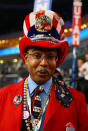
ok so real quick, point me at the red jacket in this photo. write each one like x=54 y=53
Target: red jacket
x=57 y=116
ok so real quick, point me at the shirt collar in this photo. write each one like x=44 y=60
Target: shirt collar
x=32 y=85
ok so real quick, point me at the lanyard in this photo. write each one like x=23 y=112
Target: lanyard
x=29 y=100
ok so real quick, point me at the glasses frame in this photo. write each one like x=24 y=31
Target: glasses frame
x=49 y=58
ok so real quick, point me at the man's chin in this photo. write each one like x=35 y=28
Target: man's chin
x=42 y=80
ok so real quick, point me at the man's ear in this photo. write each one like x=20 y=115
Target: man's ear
x=57 y=59
x=25 y=58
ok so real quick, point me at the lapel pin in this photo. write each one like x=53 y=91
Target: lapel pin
x=25 y=115
x=70 y=127
x=17 y=99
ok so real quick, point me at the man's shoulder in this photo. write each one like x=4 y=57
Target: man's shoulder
x=9 y=92
x=85 y=65
x=12 y=87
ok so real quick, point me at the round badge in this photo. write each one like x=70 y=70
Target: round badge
x=17 y=99
x=25 y=115
x=43 y=23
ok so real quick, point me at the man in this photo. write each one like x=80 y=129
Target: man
x=80 y=62
x=83 y=82
x=46 y=104
x=84 y=68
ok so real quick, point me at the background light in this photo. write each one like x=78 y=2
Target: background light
x=15 y=50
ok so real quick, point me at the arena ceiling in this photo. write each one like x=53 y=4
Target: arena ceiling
x=13 y=12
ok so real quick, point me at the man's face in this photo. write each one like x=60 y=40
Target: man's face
x=41 y=64
x=79 y=63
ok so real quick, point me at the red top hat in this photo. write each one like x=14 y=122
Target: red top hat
x=44 y=29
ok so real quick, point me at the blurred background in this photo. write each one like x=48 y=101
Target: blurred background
x=12 y=14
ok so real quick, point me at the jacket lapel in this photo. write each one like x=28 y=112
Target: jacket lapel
x=52 y=106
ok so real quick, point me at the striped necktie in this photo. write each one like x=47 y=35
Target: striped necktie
x=36 y=102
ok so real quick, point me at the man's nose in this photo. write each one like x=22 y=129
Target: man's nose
x=44 y=61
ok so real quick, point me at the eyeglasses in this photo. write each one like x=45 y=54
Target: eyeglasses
x=41 y=57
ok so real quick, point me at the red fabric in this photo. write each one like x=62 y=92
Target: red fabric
x=42 y=12
x=55 y=22
x=57 y=116
x=27 y=23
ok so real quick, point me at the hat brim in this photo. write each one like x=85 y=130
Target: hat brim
x=62 y=47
